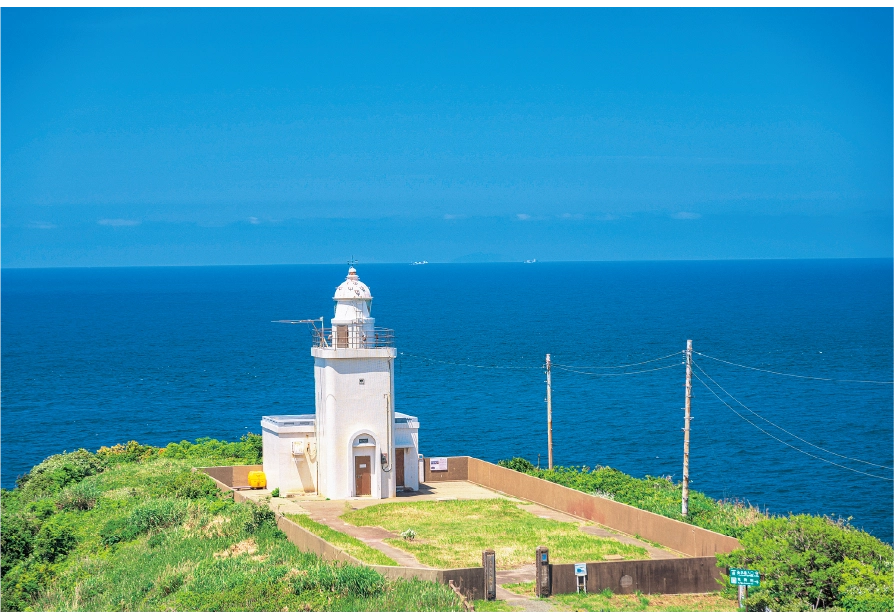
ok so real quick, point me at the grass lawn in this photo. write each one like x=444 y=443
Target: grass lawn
x=606 y=601
x=346 y=543
x=453 y=533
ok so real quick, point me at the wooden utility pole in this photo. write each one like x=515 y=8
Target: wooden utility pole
x=549 y=411
x=686 y=419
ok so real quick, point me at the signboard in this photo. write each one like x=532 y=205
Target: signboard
x=580 y=570
x=744 y=577
x=437 y=463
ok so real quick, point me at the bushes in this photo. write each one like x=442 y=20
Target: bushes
x=192 y=486
x=813 y=562
x=657 y=495
x=53 y=541
x=16 y=541
x=132 y=451
x=359 y=581
x=80 y=497
x=260 y=516
x=59 y=471
x=863 y=588
x=247 y=451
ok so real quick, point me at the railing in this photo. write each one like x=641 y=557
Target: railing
x=354 y=336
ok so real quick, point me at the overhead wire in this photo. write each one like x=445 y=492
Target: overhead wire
x=782 y=441
x=616 y=374
x=422 y=357
x=676 y=353
x=783 y=429
x=783 y=374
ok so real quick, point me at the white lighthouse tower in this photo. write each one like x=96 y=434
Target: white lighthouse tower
x=358 y=446
x=353 y=372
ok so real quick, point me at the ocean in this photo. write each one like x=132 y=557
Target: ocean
x=98 y=356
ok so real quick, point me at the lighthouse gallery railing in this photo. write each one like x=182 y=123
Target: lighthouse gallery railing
x=353 y=336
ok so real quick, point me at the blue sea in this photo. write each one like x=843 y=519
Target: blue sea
x=93 y=357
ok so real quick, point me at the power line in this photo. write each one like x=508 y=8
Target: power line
x=615 y=374
x=782 y=441
x=796 y=376
x=470 y=365
x=676 y=353
x=783 y=429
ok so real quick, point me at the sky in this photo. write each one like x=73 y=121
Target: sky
x=152 y=137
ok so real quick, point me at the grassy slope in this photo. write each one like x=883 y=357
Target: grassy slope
x=132 y=528
x=452 y=533
x=346 y=543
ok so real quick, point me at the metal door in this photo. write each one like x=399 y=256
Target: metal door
x=363 y=475
x=399 y=466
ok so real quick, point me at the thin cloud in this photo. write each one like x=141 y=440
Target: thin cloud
x=42 y=225
x=119 y=222
x=254 y=221
x=686 y=215
x=449 y=216
x=523 y=216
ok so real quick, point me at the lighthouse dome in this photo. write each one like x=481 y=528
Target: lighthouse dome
x=352 y=288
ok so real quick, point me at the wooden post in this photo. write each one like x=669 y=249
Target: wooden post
x=549 y=411
x=686 y=419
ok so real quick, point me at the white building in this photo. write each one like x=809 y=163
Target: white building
x=355 y=444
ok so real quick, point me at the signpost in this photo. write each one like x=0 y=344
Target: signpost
x=437 y=463
x=743 y=578
x=580 y=575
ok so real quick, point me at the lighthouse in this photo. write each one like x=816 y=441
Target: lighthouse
x=355 y=444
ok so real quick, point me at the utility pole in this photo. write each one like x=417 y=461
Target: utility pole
x=687 y=418
x=549 y=411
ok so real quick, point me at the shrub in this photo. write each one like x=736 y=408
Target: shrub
x=813 y=562
x=248 y=450
x=80 y=497
x=53 y=541
x=863 y=588
x=117 y=531
x=130 y=452
x=519 y=464
x=260 y=516
x=16 y=541
x=59 y=471
x=359 y=581
x=156 y=514
x=275 y=493
x=193 y=486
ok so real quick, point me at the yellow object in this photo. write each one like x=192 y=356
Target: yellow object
x=257 y=479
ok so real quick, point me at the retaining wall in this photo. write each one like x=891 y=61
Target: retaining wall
x=231 y=476
x=680 y=576
x=679 y=536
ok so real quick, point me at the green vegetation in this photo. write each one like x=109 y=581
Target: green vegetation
x=132 y=527
x=452 y=533
x=805 y=562
x=346 y=543
x=813 y=562
x=653 y=494
x=606 y=601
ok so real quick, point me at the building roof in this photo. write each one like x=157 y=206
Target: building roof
x=353 y=288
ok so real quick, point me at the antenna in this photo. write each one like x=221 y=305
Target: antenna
x=353 y=261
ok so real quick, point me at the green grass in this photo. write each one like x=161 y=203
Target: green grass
x=493 y=605
x=346 y=543
x=453 y=533
x=729 y=517
x=606 y=601
x=133 y=528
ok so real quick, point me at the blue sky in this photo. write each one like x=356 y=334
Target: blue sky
x=194 y=137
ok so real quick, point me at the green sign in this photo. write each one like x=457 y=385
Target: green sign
x=743 y=576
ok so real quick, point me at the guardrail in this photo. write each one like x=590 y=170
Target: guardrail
x=353 y=336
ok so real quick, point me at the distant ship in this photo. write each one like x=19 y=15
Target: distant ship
x=530 y=261
x=419 y=263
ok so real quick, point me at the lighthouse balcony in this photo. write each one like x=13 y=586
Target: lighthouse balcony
x=353 y=336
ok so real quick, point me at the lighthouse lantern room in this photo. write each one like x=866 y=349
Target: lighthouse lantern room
x=356 y=444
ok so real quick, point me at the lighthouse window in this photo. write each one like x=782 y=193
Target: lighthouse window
x=362 y=381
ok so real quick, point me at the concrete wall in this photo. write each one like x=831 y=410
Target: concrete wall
x=457 y=470
x=230 y=476
x=469 y=580
x=679 y=536
x=680 y=576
